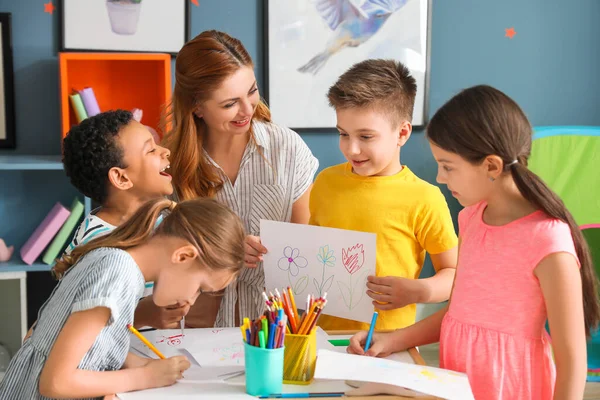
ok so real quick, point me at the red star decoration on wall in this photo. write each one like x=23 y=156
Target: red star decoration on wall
x=49 y=7
x=510 y=32
x=195 y=2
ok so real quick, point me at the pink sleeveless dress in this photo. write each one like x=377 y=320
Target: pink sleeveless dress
x=494 y=330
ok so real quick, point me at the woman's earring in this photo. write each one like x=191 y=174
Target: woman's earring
x=492 y=179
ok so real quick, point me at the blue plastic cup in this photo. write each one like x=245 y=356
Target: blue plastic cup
x=264 y=370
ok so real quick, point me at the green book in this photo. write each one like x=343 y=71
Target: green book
x=63 y=234
x=78 y=107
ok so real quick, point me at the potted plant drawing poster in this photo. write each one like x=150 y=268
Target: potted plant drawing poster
x=125 y=25
x=317 y=260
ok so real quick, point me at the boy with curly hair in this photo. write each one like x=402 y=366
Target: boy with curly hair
x=114 y=160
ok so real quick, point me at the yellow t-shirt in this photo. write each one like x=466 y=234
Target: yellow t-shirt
x=409 y=216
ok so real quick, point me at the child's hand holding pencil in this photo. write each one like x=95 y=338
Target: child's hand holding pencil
x=161 y=372
x=165 y=372
x=382 y=344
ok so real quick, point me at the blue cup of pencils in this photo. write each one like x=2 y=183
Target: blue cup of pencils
x=263 y=352
x=264 y=370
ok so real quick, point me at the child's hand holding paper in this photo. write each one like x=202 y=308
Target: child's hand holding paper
x=392 y=292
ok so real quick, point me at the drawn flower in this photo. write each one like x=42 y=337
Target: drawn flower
x=292 y=261
x=326 y=256
x=353 y=258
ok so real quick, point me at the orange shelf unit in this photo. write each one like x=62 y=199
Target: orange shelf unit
x=119 y=80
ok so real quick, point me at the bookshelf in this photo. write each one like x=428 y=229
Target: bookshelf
x=36 y=183
x=119 y=80
x=29 y=163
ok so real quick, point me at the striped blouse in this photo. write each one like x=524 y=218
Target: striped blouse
x=105 y=277
x=274 y=173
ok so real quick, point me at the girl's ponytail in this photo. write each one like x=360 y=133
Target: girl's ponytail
x=542 y=197
x=133 y=232
x=482 y=121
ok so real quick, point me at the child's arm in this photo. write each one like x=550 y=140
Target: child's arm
x=391 y=292
x=61 y=378
x=434 y=231
x=560 y=280
x=135 y=361
x=424 y=332
x=438 y=287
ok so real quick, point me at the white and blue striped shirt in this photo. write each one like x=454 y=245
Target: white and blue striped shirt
x=105 y=277
x=274 y=173
x=91 y=227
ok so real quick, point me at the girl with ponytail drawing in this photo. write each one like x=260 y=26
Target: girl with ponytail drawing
x=79 y=347
x=522 y=261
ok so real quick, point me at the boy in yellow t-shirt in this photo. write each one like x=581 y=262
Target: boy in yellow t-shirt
x=374 y=192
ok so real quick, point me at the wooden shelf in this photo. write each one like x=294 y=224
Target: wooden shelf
x=119 y=80
x=31 y=163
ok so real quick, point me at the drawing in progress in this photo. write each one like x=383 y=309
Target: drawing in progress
x=327 y=259
x=353 y=259
x=174 y=340
x=291 y=262
x=231 y=355
x=431 y=381
x=416 y=372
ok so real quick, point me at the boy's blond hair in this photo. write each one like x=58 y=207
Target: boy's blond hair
x=384 y=85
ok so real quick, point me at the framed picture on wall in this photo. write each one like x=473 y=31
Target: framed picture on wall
x=125 y=25
x=7 y=90
x=311 y=43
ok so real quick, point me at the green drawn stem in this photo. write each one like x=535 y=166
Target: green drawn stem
x=351 y=291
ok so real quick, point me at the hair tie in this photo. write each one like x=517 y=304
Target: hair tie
x=513 y=162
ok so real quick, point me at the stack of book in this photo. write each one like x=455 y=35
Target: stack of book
x=84 y=103
x=52 y=234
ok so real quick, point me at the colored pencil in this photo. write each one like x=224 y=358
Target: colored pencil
x=371 y=328
x=145 y=341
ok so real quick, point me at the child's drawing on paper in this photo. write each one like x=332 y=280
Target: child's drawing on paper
x=321 y=260
x=291 y=262
x=327 y=260
x=174 y=340
x=353 y=259
x=231 y=354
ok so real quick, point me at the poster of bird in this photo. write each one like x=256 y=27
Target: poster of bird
x=312 y=42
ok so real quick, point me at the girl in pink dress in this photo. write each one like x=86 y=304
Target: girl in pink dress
x=522 y=261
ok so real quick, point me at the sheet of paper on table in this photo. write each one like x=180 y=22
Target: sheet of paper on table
x=218 y=371
x=207 y=347
x=428 y=380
